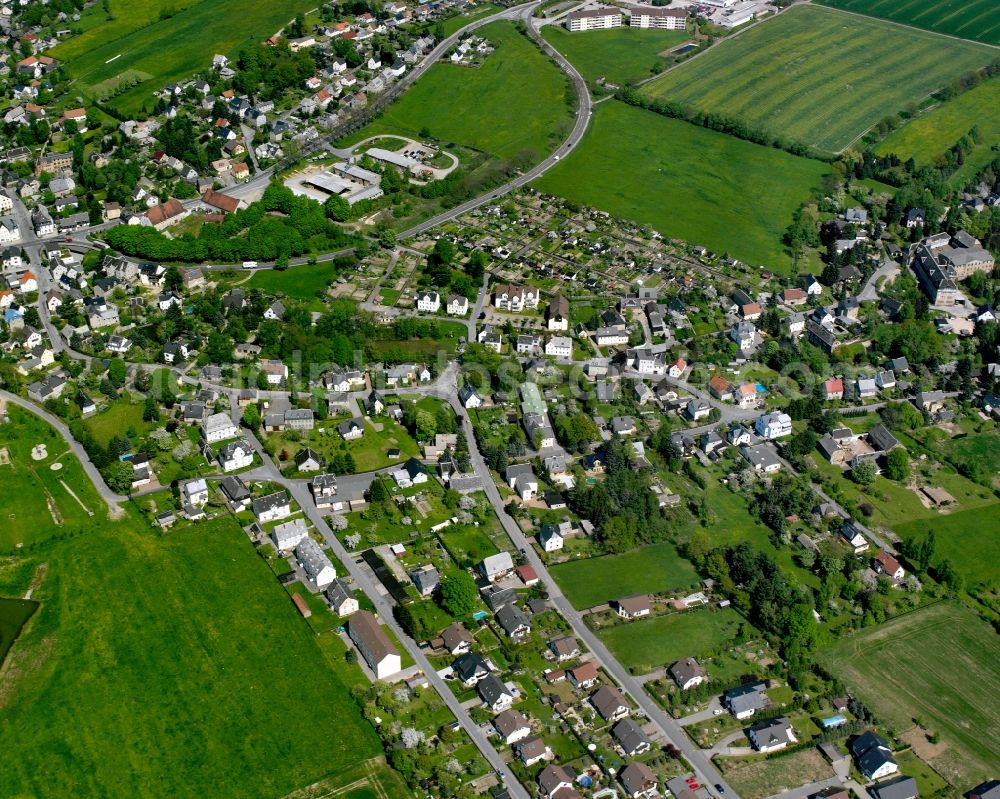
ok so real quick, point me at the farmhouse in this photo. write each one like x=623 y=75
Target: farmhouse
x=374 y=645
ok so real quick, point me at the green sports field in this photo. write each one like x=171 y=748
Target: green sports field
x=968 y=19
x=931 y=134
x=664 y=639
x=653 y=569
x=621 y=56
x=940 y=664
x=818 y=76
x=687 y=182
x=169 y=666
x=514 y=102
x=166 y=50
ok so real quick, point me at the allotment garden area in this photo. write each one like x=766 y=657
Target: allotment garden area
x=688 y=182
x=937 y=692
x=967 y=19
x=818 y=77
x=146 y=46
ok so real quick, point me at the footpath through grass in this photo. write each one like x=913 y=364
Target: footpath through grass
x=170 y=666
x=514 y=103
x=818 y=76
x=687 y=182
x=39 y=503
x=621 y=56
x=940 y=664
x=648 y=570
x=968 y=19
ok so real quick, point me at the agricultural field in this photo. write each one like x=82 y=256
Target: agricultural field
x=817 y=76
x=170 y=665
x=50 y=500
x=929 y=135
x=650 y=570
x=648 y=643
x=621 y=56
x=967 y=19
x=515 y=102
x=154 y=51
x=939 y=665
x=688 y=182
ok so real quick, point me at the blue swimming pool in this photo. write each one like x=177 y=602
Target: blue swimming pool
x=761 y=388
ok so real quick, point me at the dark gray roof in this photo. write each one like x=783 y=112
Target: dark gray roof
x=630 y=736
x=491 y=689
x=900 y=788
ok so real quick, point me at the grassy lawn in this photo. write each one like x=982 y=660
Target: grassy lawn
x=688 y=182
x=459 y=21
x=653 y=569
x=970 y=539
x=760 y=777
x=159 y=51
x=301 y=282
x=621 y=56
x=968 y=19
x=514 y=102
x=938 y=664
x=170 y=666
x=369 y=451
x=931 y=134
x=467 y=544
x=818 y=76
x=44 y=505
x=121 y=415
x=648 y=643
x=981 y=448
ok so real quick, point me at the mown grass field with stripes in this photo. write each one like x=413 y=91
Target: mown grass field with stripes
x=818 y=76
x=968 y=19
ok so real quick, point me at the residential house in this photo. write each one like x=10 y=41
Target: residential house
x=610 y=704
x=532 y=750
x=236 y=493
x=557 y=314
x=521 y=479
x=773 y=425
x=550 y=538
x=632 y=607
x=555 y=782
x=428 y=301
x=512 y=726
x=584 y=676
x=425 y=579
x=287 y=535
x=374 y=645
x=494 y=693
x=638 y=781
x=457 y=640
x=771 y=735
x=352 y=429
x=494 y=567
x=470 y=668
x=272 y=507
x=324 y=490
x=218 y=427
x=746 y=699
x=235 y=455
x=886 y=564
x=631 y=738
x=411 y=473
x=565 y=647
x=514 y=622
x=899 y=788
x=855 y=539
x=720 y=388
x=873 y=756
x=195 y=492
x=457 y=305
x=511 y=297
x=687 y=673
x=308 y=460
x=762 y=458
x=833 y=389
x=315 y=563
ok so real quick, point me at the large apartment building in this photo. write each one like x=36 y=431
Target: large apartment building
x=668 y=19
x=592 y=19
x=940 y=261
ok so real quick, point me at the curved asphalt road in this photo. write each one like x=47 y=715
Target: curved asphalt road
x=579 y=128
